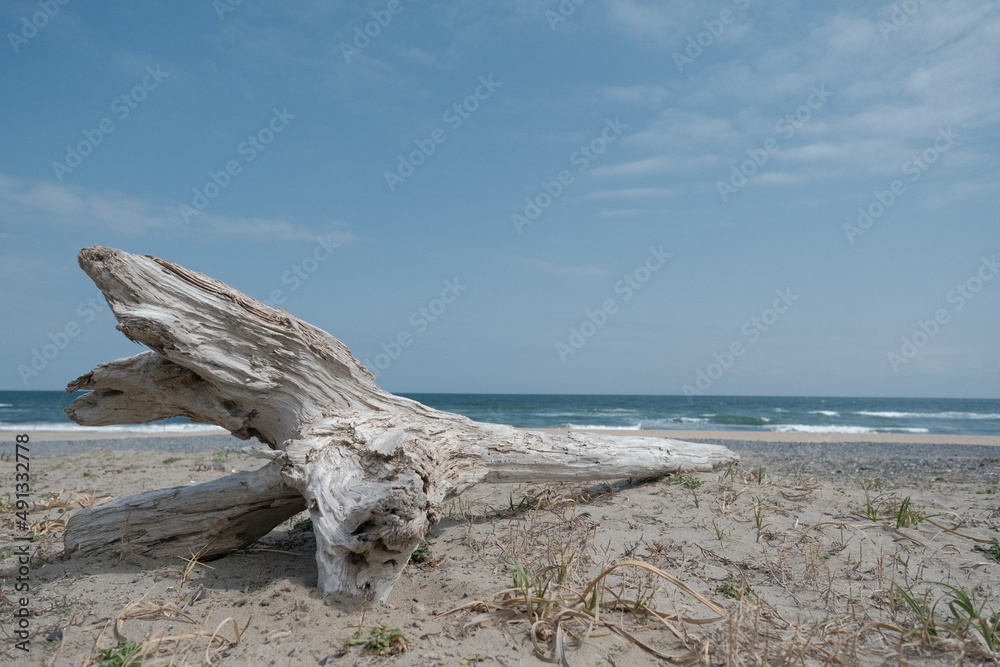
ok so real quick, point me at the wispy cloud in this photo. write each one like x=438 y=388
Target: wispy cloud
x=620 y=213
x=632 y=193
x=644 y=94
x=660 y=23
x=47 y=202
x=574 y=271
x=657 y=164
x=16 y=267
x=890 y=92
x=782 y=178
x=984 y=186
x=675 y=127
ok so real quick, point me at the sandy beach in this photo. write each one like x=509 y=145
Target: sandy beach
x=816 y=549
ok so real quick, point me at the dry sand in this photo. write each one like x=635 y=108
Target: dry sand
x=798 y=546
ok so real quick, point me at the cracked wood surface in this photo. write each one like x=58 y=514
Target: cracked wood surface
x=372 y=468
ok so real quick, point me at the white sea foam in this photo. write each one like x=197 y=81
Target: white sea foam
x=807 y=428
x=610 y=412
x=931 y=415
x=671 y=423
x=138 y=428
x=602 y=427
x=6 y=405
x=828 y=413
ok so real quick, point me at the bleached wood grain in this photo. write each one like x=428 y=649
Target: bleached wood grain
x=372 y=467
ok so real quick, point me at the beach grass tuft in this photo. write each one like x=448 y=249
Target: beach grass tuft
x=421 y=553
x=880 y=573
x=302 y=526
x=122 y=654
x=382 y=640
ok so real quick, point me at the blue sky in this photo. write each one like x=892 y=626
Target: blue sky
x=529 y=196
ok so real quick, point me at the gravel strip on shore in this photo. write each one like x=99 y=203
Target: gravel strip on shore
x=870 y=459
x=138 y=443
x=851 y=459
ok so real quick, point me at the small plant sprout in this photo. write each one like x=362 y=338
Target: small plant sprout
x=906 y=515
x=925 y=615
x=302 y=526
x=964 y=609
x=688 y=482
x=421 y=553
x=719 y=532
x=758 y=514
x=733 y=590
x=562 y=569
x=122 y=654
x=992 y=549
x=870 y=510
x=532 y=592
x=382 y=640
x=758 y=511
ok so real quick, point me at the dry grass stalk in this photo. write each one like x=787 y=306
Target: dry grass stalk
x=174 y=649
x=66 y=498
x=561 y=611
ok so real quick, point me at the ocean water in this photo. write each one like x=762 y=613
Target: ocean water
x=25 y=411
x=728 y=413
x=43 y=410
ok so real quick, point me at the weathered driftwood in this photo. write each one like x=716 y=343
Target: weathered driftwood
x=207 y=520
x=373 y=468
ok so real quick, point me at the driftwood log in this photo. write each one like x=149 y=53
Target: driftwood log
x=372 y=468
